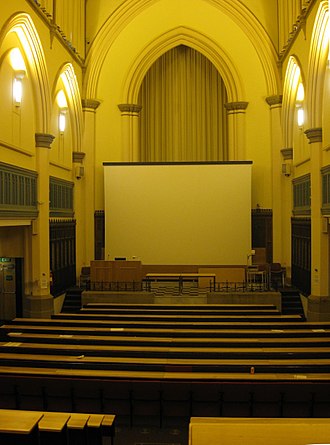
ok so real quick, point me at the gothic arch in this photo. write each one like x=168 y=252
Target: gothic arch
x=131 y=8
x=318 y=57
x=68 y=77
x=188 y=37
x=292 y=75
x=23 y=26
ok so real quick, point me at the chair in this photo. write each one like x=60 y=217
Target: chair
x=84 y=278
x=257 y=277
x=277 y=275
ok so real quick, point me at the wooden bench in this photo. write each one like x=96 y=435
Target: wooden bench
x=279 y=339
x=203 y=395
x=252 y=364
x=179 y=314
x=258 y=431
x=184 y=353
x=229 y=330
x=184 y=308
x=174 y=320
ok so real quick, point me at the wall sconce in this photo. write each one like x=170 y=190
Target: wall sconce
x=63 y=106
x=18 y=65
x=62 y=121
x=300 y=117
x=18 y=90
x=299 y=104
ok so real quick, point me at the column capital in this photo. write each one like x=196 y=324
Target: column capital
x=44 y=140
x=236 y=106
x=130 y=108
x=287 y=154
x=78 y=156
x=274 y=100
x=314 y=135
x=92 y=104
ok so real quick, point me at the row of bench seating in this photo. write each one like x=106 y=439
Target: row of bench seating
x=47 y=428
x=183 y=364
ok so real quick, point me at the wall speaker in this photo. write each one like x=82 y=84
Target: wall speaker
x=286 y=169
x=79 y=171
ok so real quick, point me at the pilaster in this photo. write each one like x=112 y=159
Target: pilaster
x=275 y=107
x=130 y=131
x=319 y=301
x=40 y=303
x=90 y=107
x=236 y=130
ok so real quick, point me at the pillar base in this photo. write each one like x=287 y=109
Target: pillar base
x=318 y=308
x=39 y=306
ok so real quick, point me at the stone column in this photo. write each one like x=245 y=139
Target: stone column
x=40 y=303
x=130 y=131
x=80 y=201
x=319 y=301
x=88 y=185
x=275 y=105
x=236 y=130
x=284 y=192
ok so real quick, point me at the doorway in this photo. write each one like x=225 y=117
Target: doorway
x=11 y=288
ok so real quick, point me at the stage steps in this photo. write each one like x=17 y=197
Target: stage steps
x=291 y=302
x=72 y=300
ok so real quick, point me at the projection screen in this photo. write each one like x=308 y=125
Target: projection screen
x=178 y=213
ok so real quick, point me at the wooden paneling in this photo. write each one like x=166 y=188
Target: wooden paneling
x=262 y=232
x=301 y=254
x=115 y=271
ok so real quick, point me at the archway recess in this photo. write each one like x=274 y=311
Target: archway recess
x=33 y=54
x=122 y=16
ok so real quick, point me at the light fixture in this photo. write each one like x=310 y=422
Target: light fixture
x=62 y=121
x=17 y=91
x=63 y=106
x=18 y=65
x=299 y=103
x=300 y=117
x=300 y=93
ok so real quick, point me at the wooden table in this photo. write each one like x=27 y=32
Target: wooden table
x=52 y=428
x=179 y=277
x=20 y=428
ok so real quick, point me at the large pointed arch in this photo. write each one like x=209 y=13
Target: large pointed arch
x=193 y=39
x=131 y=8
x=68 y=77
x=293 y=75
x=23 y=26
x=318 y=57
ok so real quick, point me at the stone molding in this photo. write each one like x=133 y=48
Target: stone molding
x=130 y=108
x=44 y=140
x=78 y=156
x=274 y=100
x=314 y=135
x=92 y=104
x=287 y=154
x=236 y=106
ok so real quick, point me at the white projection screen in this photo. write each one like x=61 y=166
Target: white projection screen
x=178 y=213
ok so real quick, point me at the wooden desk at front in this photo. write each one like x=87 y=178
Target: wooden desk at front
x=54 y=428
x=179 y=277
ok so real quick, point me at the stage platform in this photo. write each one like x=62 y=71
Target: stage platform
x=127 y=297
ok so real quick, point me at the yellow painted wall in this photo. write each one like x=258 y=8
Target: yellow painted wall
x=140 y=32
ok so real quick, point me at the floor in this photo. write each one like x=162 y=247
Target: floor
x=151 y=435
